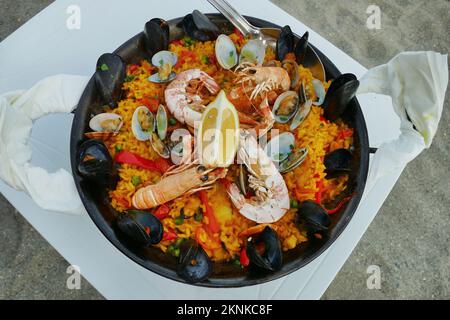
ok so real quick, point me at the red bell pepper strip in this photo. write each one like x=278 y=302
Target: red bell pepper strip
x=133 y=68
x=169 y=235
x=213 y=225
x=320 y=192
x=126 y=157
x=162 y=212
x=245 y=261
x=151 y=104
x=339 y=206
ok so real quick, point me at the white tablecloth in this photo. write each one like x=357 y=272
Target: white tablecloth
x=45 y=46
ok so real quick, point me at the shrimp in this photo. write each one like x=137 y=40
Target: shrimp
x=271 y=200
x=186 y=95
x=263 y=79
x=178 y=181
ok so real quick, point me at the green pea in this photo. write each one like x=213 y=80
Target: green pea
x=176 y=253
x=179 y=221
x=172 y=121
x=136 y=181
x=199 y=215
x=119 y=148
x=179 y=242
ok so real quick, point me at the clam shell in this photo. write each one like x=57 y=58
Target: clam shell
x=160 y=148
x=300 y=116
x=226 y=53
x=106 y=122
x=294 y=160
x=285 y=118
x=159 y=60
x=280 y=147
x=139 y=133
x=162 y=122
x=254 y=52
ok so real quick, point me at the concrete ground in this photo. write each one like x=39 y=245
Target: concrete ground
x=409 y=238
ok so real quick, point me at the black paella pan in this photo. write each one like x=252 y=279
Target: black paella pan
x=97 y=203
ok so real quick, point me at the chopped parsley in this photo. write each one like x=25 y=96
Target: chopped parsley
x=104 y=67
x=198 y=215
x=118 y=148
x=172 y=121
x=130 y=78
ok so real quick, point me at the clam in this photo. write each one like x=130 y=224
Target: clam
x=293 y=70
x=280 y=147
x=104 y=126
x=313 y=217
x=164 y=61
x=158 y=145
x=194 y=264
x=281 y=150
x=226 y=52
x=253 y=52
x=143 y=124
x=141 y=227
x=320 y=92
x=264 y=250
x=294 y=160
x=162 y=122
x=95 y=163
x=286 y=106
x=302 y=112
x=181 y=152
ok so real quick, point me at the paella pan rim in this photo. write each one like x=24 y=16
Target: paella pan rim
x=97 y=207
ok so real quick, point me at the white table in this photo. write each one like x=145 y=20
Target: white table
x=44 y=46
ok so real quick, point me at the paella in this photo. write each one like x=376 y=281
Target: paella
x=220 y=149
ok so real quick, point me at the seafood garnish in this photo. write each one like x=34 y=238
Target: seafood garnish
x=271 y=200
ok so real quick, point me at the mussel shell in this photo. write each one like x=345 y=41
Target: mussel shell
x=134 y=224
x=338 y=162
x=301 y=48
x=156 y=36
x=194 y=264
x=96 y=164
x=314 y=217
x=272 y=257
x=285 y=43
x=339 y=95
x=189 y=26
x=204 y=24
x=109 y=78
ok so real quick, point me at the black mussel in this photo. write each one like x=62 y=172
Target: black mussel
x=194 y=264
x=141 y=227
x=95 y=163
x=196 y=26
x=301 y=48
x=338 y=162
x=339 y=95
x=285 y=43
x=205 y=24
x=156 y=36
x=264 y=250
x=314 y=217
x=109 y=78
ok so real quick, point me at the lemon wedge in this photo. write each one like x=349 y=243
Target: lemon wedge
x=218 y=134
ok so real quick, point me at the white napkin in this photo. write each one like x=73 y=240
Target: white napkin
x=417 y=82
x=18 y=110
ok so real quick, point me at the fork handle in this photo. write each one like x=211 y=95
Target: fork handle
x=234 y=17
